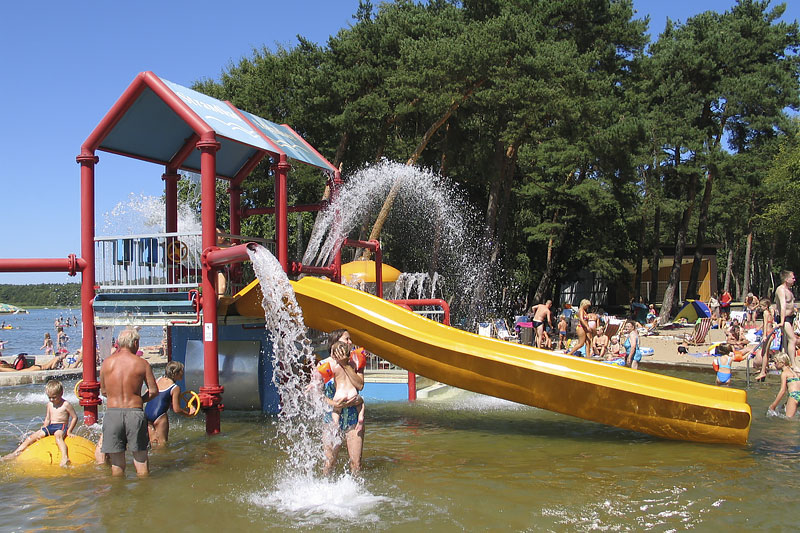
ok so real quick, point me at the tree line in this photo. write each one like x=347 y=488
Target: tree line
x=41 y=295
x=585 y=144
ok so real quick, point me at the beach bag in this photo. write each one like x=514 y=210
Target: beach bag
x=21 y=362
x=776 y=341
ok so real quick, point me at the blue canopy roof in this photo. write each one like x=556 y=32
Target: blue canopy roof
x=155 y=119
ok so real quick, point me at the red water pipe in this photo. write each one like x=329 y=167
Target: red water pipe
x=215 y=257
x=299 y=268
x=71 y=265
x=211 y=391
x=433 y=302
x=375 y=247
x=407 y=304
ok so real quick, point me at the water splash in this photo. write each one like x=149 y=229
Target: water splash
x=301 y=407
x=142 y=214
x=431 y=229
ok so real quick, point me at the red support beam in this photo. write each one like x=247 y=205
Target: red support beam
x=90 y=388
x=211 y=391
x=301 y=208
x=281 y=219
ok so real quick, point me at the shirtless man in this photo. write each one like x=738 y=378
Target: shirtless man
x=122 y=375
x=784 y=301
x=541 y=313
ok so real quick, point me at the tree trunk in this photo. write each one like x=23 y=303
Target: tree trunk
x=702 y=224
x=507 y=183
x=656 y=264
x=495 y=186
x=637 y=276
x=728 y=270
x=680 y=244
x=387 y=204
x=747 y=251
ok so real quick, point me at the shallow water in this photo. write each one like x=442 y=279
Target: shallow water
x=29 y=329
x=467 y=462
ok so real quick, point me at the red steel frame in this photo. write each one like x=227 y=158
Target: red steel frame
x=203 y=139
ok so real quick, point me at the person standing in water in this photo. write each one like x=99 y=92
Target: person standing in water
x=784 y=301
x=122 y=376
x=541 y=315
x=349 y=407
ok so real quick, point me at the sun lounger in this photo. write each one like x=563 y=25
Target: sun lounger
x=698 y=335
x=503 y=333
x=485 y=329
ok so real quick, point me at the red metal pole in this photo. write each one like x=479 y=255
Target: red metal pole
x=281 y=220
x=90 y=388
x=211 y=391
x=69 y=264
x=412 y=378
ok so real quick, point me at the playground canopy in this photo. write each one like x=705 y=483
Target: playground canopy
x=156 y=120
x=692 y=310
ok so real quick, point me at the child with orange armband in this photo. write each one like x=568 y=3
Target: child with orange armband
x=342 y=378
x=345 y=391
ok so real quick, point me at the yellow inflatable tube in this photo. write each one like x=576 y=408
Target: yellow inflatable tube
x=45 y=452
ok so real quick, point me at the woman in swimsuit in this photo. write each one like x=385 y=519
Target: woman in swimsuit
x=724 y=361
x=631 y=345
x=586 y=327
x=169 y=394
x=789 y=381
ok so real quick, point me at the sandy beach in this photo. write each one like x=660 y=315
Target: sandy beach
x=665 y=357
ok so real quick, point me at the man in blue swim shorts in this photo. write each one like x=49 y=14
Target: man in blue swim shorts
x=124 y=424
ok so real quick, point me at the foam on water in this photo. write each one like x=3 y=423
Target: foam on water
x=314 y=501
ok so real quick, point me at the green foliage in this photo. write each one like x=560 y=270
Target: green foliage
x=559 y=122
x=42 y=295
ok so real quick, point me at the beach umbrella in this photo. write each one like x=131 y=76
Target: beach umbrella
x=8 y=309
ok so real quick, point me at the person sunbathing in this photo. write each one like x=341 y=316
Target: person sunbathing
x=21 y=364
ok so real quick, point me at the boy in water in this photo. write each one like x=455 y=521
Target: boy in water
x=59 y=421
x=562 y=332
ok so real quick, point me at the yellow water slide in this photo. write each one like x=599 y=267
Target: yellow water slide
x=631 y=399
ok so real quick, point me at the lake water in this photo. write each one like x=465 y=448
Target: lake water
x=29 y=329
x=463 y=463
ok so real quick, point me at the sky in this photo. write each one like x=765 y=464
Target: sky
x=66 y=63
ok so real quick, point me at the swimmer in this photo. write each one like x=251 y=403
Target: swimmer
x=790 y=382
x=723 y=363
x=59 y=421
x=169 y=395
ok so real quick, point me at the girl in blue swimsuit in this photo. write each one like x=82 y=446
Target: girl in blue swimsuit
x=169 y=394
x=790 y=382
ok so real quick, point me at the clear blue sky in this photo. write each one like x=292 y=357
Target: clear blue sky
x=66 y=63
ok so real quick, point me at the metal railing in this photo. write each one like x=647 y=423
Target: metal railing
x=155 y=261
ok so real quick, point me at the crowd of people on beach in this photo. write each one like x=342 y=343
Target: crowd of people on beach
x=596 y=336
